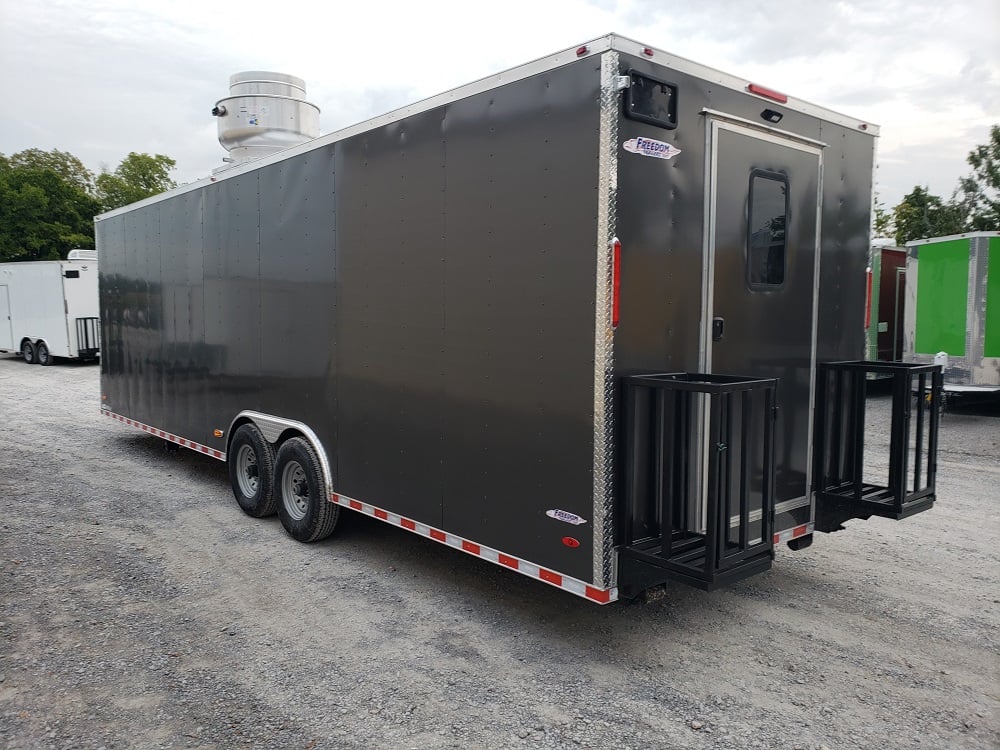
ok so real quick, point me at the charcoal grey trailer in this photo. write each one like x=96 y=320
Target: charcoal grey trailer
x=594 y=319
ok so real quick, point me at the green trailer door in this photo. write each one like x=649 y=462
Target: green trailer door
x=942 y=298
x=991 y=344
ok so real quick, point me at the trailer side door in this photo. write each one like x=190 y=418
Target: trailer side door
x=761 y=279
x=6 y=324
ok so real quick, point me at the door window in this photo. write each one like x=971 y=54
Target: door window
x=766 y=230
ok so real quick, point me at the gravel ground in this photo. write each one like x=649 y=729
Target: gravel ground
x=140 y=608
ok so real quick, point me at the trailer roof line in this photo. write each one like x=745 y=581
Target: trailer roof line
x=596 y=46
x=963 y=236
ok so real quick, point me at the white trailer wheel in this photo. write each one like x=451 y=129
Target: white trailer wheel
x=42 y=355
x=28 y=352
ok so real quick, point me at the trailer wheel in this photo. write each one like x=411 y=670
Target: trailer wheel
x=28 y=352
x=251 y=472
x=800 y=543
x=42 y=355
x=305 y=511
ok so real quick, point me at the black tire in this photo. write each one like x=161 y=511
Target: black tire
x=303 y=507
x=28 y=352
x=251 y=471
x=800 y=543
x=42 y=355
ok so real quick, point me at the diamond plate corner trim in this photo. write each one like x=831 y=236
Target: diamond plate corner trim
x=604 y=423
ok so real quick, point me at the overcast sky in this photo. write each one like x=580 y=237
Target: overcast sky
x=101 y=78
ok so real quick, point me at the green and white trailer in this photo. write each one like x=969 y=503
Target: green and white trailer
x=952 y=308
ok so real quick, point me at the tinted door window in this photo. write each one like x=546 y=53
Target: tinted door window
x=766 y=230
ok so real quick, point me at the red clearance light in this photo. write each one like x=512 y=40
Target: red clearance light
x=582 y=50
x=616 y=280
x=777 y=96
x=570 y=542
x=647 y=51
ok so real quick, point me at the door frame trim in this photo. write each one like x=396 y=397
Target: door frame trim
x=8 y=318
x=716 y=123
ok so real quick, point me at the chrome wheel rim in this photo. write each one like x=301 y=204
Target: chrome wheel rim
x=247 y=471
x=295 y=490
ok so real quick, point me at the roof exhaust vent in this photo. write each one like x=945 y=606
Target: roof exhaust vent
x=264 y=113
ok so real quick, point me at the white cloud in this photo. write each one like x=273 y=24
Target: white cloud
x=101 y=78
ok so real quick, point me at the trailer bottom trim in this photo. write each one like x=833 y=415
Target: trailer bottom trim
x=183 y=442
x=530 y=569
x=558 y=580
x=794 y=533
x=551 y=577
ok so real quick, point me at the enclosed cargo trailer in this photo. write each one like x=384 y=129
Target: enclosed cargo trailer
x=568 y=318
x=49 y=308
x=886 y=301
x=953 y=308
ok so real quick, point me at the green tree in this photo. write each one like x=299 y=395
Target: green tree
x=978 y=195
x=62 y=163
x=921 y=215
x=882 y=221
x=138 y=176
x=43 y=215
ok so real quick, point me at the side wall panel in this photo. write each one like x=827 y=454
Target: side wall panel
x=991 y=342
x=522 y=193
x=844 y=247
x=392 y=316
x=110 y=235
x=943 y=298
x=298 y=294
x=140 y=314
x=232 y=298
x=185 y=363
x=466 y=289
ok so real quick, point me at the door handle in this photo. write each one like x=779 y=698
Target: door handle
x=718 y=328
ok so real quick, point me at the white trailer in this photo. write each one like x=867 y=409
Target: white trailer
x=50 y=308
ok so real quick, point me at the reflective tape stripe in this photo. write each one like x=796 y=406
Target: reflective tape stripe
x=551 y=577
x=794 y=533
x=166 y=435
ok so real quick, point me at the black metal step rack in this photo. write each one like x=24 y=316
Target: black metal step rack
x=842 y=493
x=665 y=474
x=88 y=337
